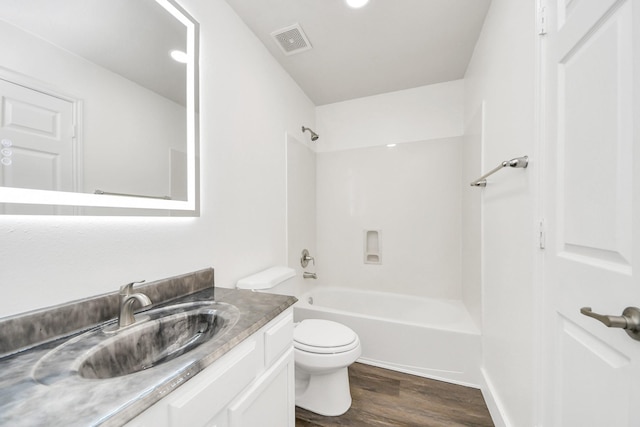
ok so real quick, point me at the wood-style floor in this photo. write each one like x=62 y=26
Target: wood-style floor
x=387 y=398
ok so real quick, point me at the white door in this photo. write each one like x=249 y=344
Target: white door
x=37 y=134
x=592 y=209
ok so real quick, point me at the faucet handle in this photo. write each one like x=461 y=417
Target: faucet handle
x=305 y=258
x=126 y=289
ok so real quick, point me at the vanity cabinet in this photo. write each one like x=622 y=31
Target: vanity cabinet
x=252 y=385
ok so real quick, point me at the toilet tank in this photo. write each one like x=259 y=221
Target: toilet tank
x=266 y=279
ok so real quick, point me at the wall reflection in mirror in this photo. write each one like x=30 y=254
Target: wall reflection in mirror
x=94 y=104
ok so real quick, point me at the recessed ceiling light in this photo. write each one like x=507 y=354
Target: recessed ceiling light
x=179 y=56
x=357 y=3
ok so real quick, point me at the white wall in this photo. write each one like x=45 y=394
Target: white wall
x=411 y=193
x=502 y=74
x=418 y=114
x=127 y=130
x=248 y=103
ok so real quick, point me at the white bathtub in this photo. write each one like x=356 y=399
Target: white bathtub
x=428 y=337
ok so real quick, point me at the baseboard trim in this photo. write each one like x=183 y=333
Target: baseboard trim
x=491 y=398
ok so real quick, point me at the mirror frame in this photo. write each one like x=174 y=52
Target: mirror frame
x=61 y=198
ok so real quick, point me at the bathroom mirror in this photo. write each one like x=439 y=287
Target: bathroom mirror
x=96 y=116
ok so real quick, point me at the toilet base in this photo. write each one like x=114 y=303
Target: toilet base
x=324 y=394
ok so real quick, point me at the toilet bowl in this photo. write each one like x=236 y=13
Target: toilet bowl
x=323 y=351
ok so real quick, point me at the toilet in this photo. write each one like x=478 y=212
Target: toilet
x=323 y=351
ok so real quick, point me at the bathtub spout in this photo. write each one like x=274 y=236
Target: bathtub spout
x=308 y=275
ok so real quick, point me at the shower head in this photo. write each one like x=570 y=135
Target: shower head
x=314 y=136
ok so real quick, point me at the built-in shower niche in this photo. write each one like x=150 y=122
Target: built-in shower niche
x=372 y=252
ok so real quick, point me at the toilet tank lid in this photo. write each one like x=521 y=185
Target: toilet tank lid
x=267 y=278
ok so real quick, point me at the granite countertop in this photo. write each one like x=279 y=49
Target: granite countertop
x=71 y=400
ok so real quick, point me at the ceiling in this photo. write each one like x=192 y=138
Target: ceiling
x=386 y=46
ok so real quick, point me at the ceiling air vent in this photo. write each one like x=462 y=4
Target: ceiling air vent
x=291 y=39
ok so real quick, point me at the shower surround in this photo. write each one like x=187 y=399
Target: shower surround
x=412 y=194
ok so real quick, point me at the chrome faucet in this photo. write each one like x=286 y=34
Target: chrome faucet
x=308 y=275
x=127 y=298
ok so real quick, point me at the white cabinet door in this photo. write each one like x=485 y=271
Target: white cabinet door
x=211 y=390
x=592 y=204
x=219 y=421
x=199 y=401
x=270 y=401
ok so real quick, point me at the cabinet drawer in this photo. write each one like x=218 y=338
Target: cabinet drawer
x=278 y=339
x=211 y=391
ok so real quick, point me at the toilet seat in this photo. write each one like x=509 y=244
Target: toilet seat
x=324 y=337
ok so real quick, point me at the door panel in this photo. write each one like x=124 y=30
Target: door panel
x=596 y=370
x=591 y=183
x=38 y=145
x=40 y=128
x=33 y=169
x=594 y=102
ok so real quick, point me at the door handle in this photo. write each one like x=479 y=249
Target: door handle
x=629 y=321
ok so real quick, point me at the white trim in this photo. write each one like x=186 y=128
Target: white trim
x=286 y=198
x=495 y=406
x=537 y=182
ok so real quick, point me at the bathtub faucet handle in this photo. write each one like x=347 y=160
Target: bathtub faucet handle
x=305 y=258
